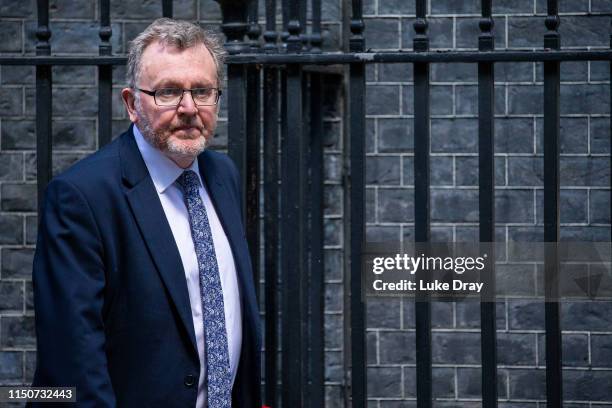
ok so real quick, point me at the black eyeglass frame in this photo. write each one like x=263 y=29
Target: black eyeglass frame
x=153 y=92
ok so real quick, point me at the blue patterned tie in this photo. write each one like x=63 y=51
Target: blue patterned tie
x=217 y=355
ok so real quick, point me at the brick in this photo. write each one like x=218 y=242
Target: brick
x=586 y=234
x=466 y=100
x=468 y=31
x=443 y=382
x=60 y=162
x=334 y=395
x=585 y=171
x=527 y=384
x=514 y=135
x=516 y=348
x=333 y=366
x=408 y=316
x=600 y=135
x=525 y=315
x=75 y=102
x=455 y=7
x=570 y=71
x=441 y=234
x=332 y=37
x=17 y=8
x=11 y=167
x=333 y=297
x=594 y=316
x=441 y=100
x=17 y=331
x=382 y=33
x=11 y=367
x=383 y=382
x=332 y=131
x=599 y=211
x=74 y=37
x=514 y=206
x=439 y=31
x=383 y=233
x=575 y=350
x=11 y=296
x=526 y=32
x=525 y=234
x=186 y=9
x=396 y=347
x=145 y=10
x=74 y=75
x=333 y=331
x=382 y=100
x=11 y=101
x=525 y=171
x=370 y=205
x=565 y=7
x=516 y=279
x=17 y=74
x=74 y=134
x=332 y=263
x=395 y=135
x=468 y=314
x=71 y=9
x=599 y=70
x=454 y=205
x=11 y=229
x=370 y=136
x=333 y=200
x=18 y=197
x=10 y=31
x=333 y=232
x=395 y=205
x=587 y=385
x=30 y=365
x=601 y=350
x=525 y=99
x=455 y=348
x=29 y=296
x=513 y=6
x=383 y=313
x=382 y=170
x=573 y=135
x=469 y=383
x=396 y=7
x=394 y=72
x=441 y=171
x=18 y=135
x=454 y=136
x=17 y=263
x=457 y=72
x=514 y=72
x=371 y=349
x=573 y=206
x=585 y=98
x=466 y=171
x=210 y=10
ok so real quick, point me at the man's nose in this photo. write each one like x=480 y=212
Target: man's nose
x=187 y=105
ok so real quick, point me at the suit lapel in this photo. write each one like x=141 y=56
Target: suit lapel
x=151 y=219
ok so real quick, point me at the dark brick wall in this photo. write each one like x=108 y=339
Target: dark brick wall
x=585 y=177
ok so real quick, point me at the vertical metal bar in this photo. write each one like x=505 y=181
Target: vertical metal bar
x=317 y=289
x=234 y=26
x=316 y=38
x=167 y=8
x=306 y=208
x=271 y=200
x=292 y=224
x=253 y=114
x=554 y=383
x=357 y=211
x=105 y=77
x=43 y=103
x=610 y=133
x=422 y=204
x=486 y=173
x=285 y=33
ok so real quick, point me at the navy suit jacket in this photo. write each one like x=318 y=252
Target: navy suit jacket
x=113 y=316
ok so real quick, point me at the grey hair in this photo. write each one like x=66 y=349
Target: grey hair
x=177 y=33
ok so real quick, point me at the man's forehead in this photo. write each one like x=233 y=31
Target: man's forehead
x=160 y=59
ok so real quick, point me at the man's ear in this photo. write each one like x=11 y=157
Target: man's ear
x=129 y=100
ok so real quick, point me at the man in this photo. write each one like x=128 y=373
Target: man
x=143 y=289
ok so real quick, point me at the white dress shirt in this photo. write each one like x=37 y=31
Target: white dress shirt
x=164 y=173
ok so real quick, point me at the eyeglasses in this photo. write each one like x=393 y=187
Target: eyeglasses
x=174 y=96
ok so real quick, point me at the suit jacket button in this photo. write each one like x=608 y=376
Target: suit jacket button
x=189 y=380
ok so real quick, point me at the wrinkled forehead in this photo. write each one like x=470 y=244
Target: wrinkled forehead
x=162 y=61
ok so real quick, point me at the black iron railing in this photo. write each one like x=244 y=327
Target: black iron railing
x=290 y=106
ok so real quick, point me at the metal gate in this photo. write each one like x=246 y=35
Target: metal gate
x=281 y=82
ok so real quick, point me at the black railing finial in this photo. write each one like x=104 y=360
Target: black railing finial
x=235 y=24
x=552 y=39
x=357 y=40
x=43 y=33
x=270 y=35
x=294 y=42
x=106 y=30
x=254 y=29
x=315 y=38
x=421 y=41
x=486 y=39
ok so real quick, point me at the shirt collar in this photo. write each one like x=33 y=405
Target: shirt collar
x=163 y=171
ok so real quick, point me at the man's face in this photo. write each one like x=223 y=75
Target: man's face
x=180 y=132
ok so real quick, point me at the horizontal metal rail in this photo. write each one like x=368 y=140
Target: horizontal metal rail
x=345 y=58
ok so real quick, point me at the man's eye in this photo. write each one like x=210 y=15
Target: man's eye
x=201 y=92
x=168 y=92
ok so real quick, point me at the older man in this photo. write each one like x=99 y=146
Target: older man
x=143 y=288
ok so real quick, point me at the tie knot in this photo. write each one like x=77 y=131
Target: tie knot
x=188 y=181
